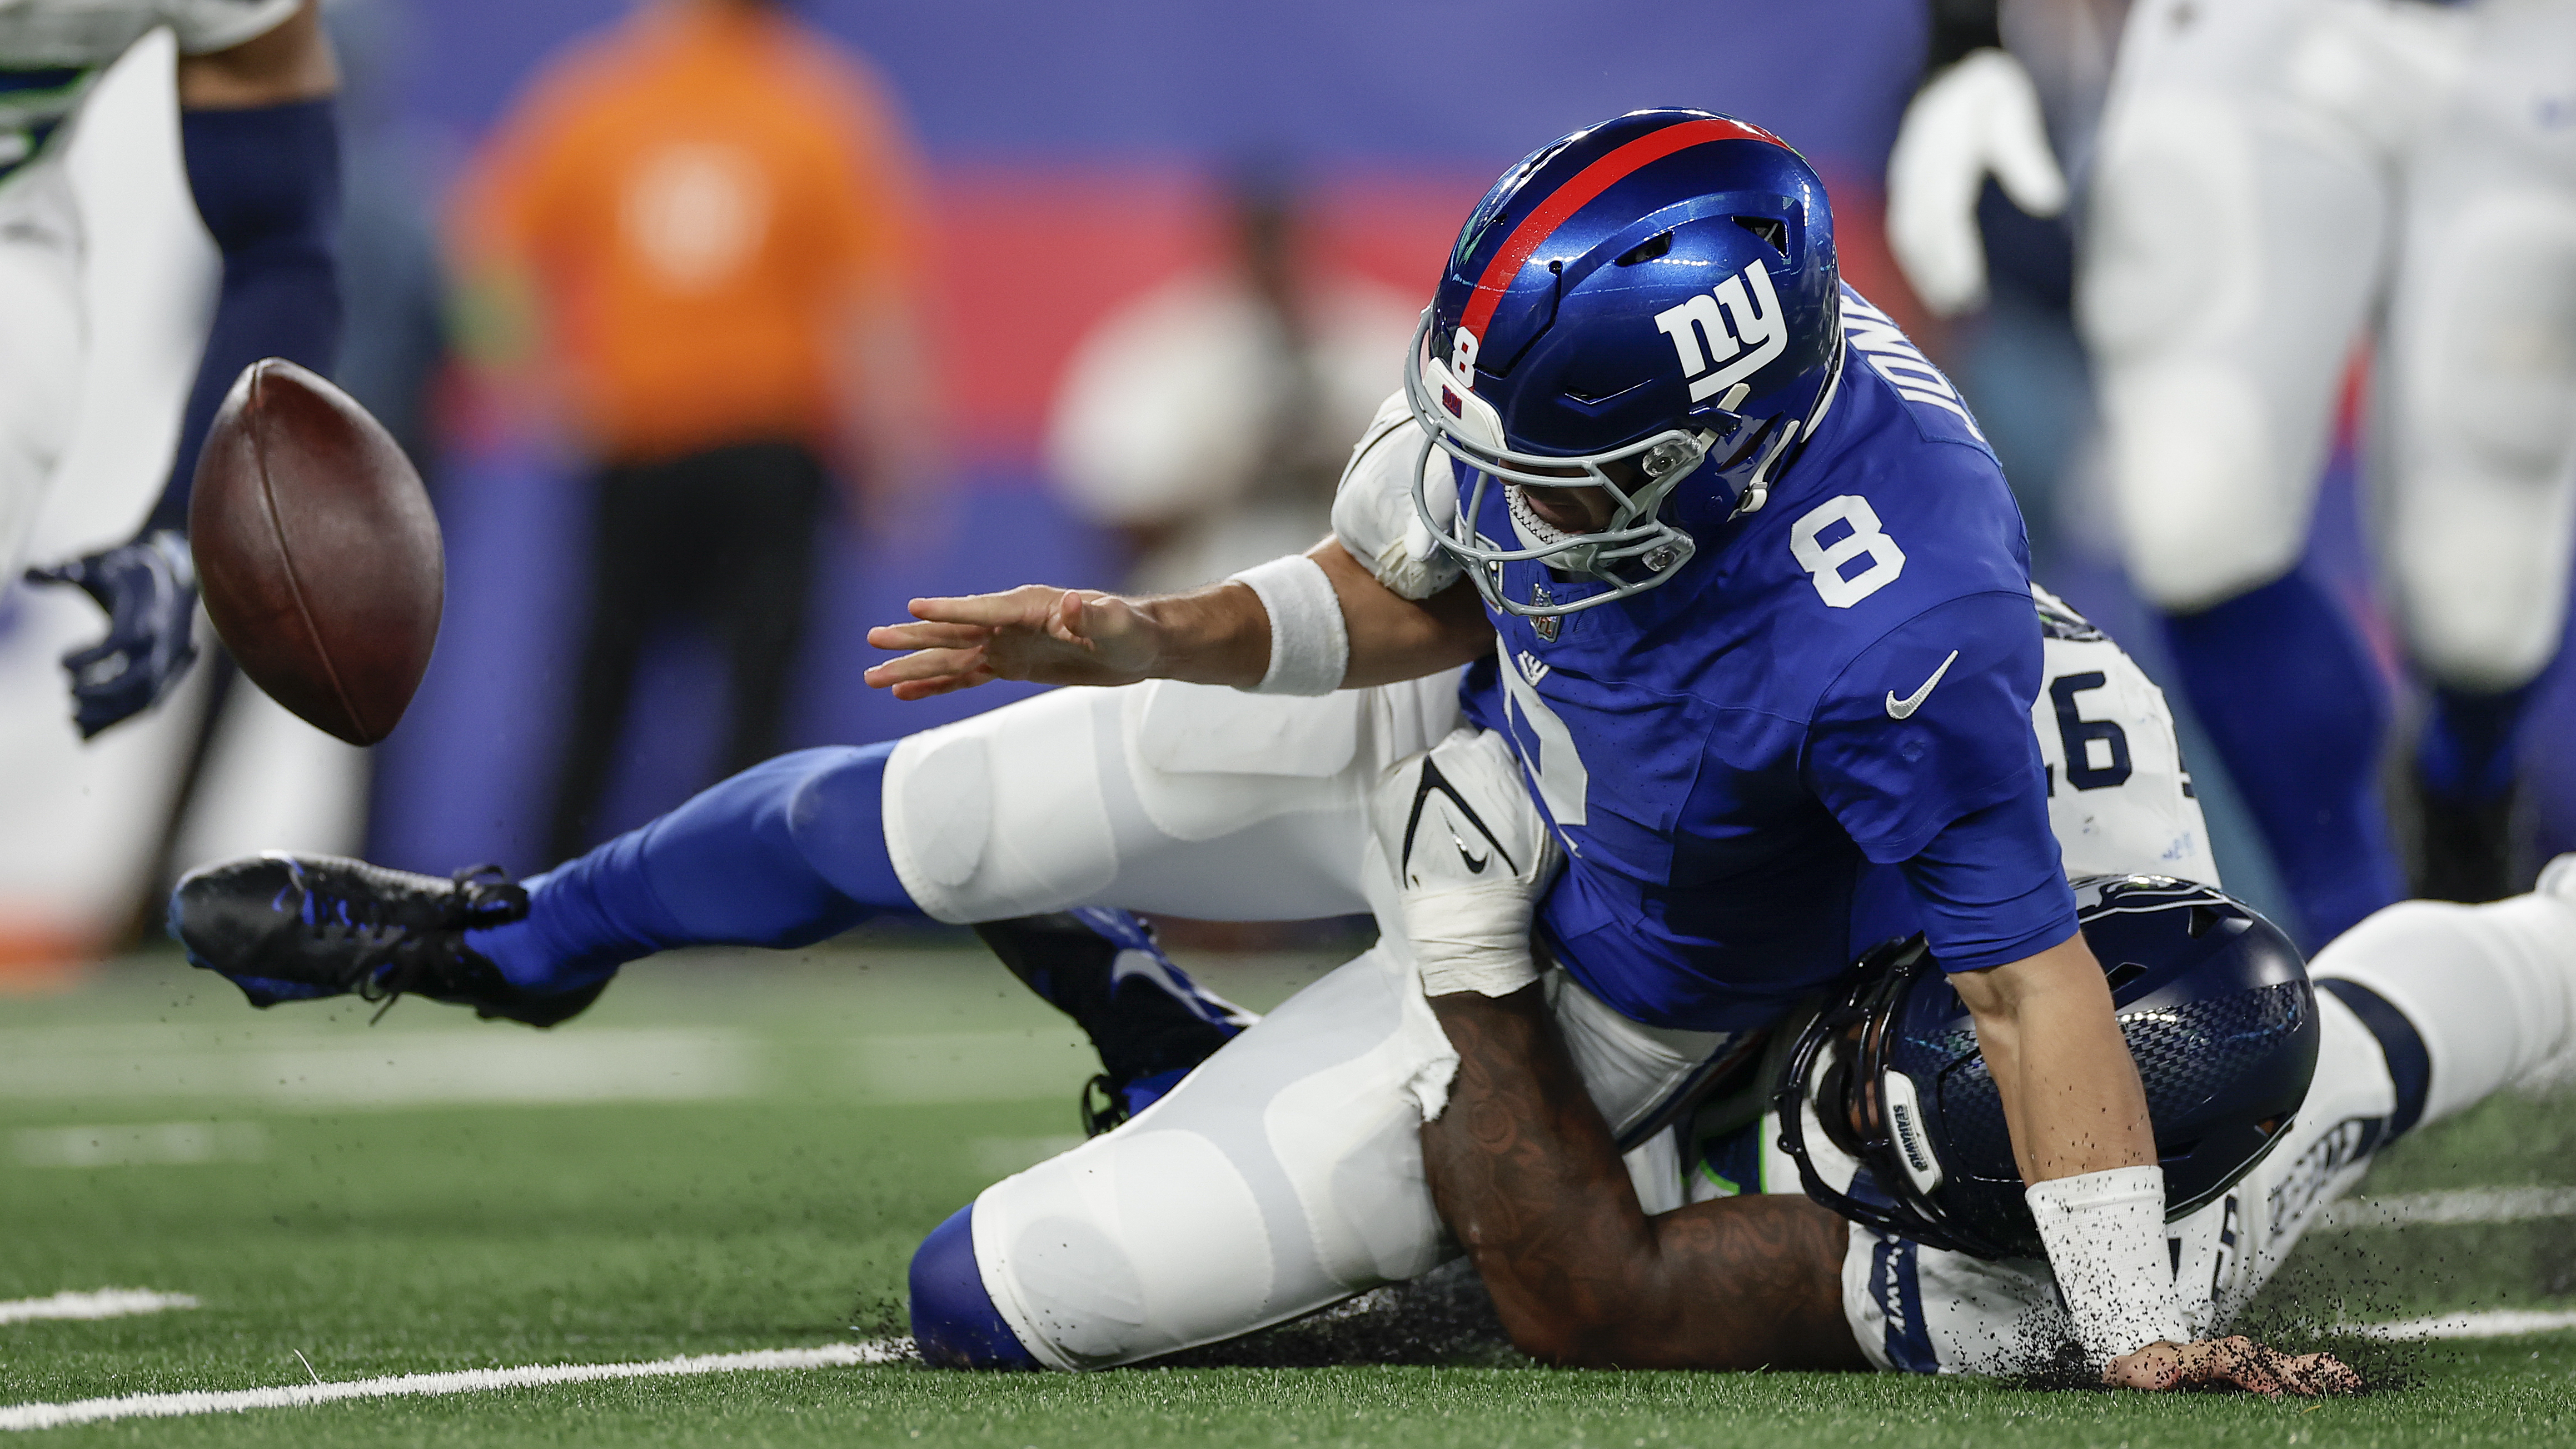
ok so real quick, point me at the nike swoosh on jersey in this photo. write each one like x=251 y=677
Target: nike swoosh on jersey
x=1901 y=708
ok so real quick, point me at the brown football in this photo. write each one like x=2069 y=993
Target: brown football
x=317 y=551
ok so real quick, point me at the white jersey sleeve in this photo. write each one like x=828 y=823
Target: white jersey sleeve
x=35 y=33
x=2118 y=796
x=1373 y=512
x=206 y=26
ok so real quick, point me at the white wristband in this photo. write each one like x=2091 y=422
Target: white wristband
x=1310 y=647
x=2105 y=1233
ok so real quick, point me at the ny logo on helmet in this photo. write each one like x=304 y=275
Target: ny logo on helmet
x=1729 y=328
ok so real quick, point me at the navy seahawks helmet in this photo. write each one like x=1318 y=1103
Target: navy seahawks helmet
x=2212 y=998
x=1649 y=306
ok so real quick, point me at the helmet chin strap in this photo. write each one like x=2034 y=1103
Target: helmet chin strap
x=1758 y=491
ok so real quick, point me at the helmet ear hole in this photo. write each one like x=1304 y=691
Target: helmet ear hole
x=2122 y=974
x=1771 y=229
x=1658 y=245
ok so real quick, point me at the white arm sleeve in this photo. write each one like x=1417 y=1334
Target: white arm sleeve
x=1373 y=512
x=2105 y=1233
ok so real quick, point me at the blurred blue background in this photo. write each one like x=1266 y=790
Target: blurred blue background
x=1074 y=154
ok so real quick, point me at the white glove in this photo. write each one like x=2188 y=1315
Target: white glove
x=1471 y=855
x=1979 y=116
x=1373 y=512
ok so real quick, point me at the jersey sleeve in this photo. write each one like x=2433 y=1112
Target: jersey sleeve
x=1928 y=724
x=206 y=26
x=1988 y=889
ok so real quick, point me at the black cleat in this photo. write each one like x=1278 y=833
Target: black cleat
x=302 y=927
x=1149 y=1020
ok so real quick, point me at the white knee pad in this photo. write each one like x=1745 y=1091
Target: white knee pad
x=2489 y=988
x=2480 y=429
x=1001 y=815
x=41 y=344
x=1284 y=1175
x=2220 y=308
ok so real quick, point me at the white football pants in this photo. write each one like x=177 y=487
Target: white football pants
x=43 y=338
x=1285 y=1174
x=2275 y=179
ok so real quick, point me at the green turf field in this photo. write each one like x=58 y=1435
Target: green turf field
x=732 y=1155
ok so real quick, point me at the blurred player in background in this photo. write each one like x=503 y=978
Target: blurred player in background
x=256 y=80
x=1977 y=216
x=1209 y=419
x=696 y=239
x=2275 y=181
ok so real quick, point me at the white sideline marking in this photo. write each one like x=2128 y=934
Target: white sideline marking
x=2493 y=1323
x=463 y=1381
x=154 y=1144
x=389 y=1068
x=339 y=1065
x=105 y=1303
x=2469 y=1205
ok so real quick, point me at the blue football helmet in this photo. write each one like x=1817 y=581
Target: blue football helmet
x=1650 y=307
x=2215 y=1005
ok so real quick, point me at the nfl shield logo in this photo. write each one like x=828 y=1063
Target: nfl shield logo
x=1545 y=624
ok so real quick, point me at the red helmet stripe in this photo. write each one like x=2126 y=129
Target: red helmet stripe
x=1586 y=184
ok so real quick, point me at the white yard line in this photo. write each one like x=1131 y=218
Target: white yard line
x=2469 y=1205
x=105 y=1303
x=2492 y=1323
x=465 y=1381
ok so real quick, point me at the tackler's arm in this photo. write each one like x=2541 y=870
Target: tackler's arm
x=261 y=143
x=1520 y=1162
x=1525 y=1173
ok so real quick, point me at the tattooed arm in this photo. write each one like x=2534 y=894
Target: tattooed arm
x=1525 y=1173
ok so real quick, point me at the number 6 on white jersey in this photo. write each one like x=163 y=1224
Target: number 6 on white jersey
x=1824 y=562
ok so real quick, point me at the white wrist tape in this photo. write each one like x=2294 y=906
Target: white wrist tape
x=1472 y=940
x=1310 y=648
x=2105 y=1233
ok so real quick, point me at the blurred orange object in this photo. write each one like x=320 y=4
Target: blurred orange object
x=40 y=956
x=694 y=209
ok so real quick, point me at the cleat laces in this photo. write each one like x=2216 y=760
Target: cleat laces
x=401 y=948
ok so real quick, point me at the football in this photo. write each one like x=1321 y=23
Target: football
x=317 y=551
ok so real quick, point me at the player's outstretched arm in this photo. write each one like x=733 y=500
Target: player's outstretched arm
x=2076 y=1109
x=1216 y=635
x=262 y=151
x=1524 y=1171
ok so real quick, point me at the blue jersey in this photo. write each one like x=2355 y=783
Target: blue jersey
x=1816 y=736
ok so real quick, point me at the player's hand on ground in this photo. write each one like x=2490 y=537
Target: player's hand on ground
x=1034 y=632
x=149 y=589
x=2233 y=1362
